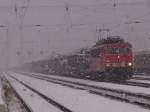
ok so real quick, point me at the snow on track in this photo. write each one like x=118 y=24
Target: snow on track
x=140 y=81
x=127 y=88
x=35 y=102
x=78 y=100
x=141 y=76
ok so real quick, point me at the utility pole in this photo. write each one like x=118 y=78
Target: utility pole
x=114 y=4
x=6 y=47
x=49 y=47
x=68 y=19
x=20 y=11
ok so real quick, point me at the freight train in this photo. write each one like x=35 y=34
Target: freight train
x=109 y=59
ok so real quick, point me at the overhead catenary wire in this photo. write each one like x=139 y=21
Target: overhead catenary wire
x=21 y=11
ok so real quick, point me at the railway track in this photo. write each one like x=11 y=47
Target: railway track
x=141 y=78
x=24 y=105
x=49 y=100
x=134 y=98
x=139 y=84
x=27 y=107
x=130 y=83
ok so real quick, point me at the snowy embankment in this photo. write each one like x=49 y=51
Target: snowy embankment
x=3 y=107
x=127 y=88
x=78 y=100
x=34 y=101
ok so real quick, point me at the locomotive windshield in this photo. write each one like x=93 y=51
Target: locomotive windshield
x=119 y=50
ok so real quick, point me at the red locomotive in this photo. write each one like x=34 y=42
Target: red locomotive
x=109 y=59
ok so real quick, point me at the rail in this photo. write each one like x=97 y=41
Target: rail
x=51 y=101
x=26 y=107
x=139 y=99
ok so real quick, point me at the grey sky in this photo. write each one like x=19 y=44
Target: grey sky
x=63 y=32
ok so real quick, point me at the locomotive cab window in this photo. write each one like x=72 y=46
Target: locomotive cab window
x=119 y=50
x=124 y=50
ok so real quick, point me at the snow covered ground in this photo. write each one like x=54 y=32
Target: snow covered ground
x=140 y=81
x=141 y=76
x=34 y=101
x=1 y=100
x=78 y=100
x=128 y=88
x=2 y=103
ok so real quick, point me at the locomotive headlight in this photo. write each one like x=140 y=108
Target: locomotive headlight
x=130 y=64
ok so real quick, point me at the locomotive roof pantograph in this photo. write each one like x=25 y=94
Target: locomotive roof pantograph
x=110 y=40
